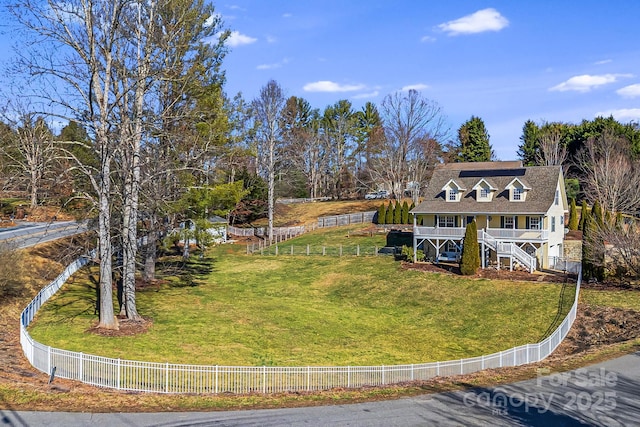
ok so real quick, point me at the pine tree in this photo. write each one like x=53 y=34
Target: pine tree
x=474 y=141
x=587 y=264
x=397 y=213
x=388 y=218
x=405 y=213
x=382 y=212
x=470 y=261
x=573 y=215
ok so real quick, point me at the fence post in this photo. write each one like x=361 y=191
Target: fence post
x=264 y=379
x=340 y=250
x=358 y=250
x=276 y=249
x=323 y=250
x=119 y=384
x=437 y=369
x=307 y=249
x=81 y=367
x=376 y=251
x=166 y=377
x=291 y=249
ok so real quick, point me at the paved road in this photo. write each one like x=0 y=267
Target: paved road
x=26 y=234
x=606 y=394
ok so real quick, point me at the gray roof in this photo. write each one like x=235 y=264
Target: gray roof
x=542 y=180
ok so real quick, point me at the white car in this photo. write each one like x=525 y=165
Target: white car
x=382 y=194
x=449 y=257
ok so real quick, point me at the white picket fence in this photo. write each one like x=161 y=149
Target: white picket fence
x=178 y=378
x=346 y=219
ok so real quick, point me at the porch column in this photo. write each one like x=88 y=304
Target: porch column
x=415 y=240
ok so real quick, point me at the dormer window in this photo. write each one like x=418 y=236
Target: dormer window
x=452 y=191
x=518 y=194
x=484 y=191
x=517 y=190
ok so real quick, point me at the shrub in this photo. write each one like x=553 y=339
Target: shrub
x=382 y=212
x=405 y=212
x=388 y=218
x=573 y=216
x=397 y=213
x=470 y=261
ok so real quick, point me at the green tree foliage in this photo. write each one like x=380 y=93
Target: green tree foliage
x=382 y=213
x=584 y=212
x=528 y=149
x=587 y=247
x=405 y=212
x=573 y=215
x=597 y=214
x=470 y=261
x=397 y=213
x=592 y=249
x=388 y=218
x=474 y=141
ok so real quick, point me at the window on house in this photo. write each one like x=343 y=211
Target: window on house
x=517 y=193
x=453 y=194
x=484 y=193
x=553 y=224
x=509 y=222
x=557 y=201
x=446 y=221
x=534 y=223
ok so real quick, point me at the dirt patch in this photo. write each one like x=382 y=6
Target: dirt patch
x=599 y=326
x=126 y=328
x=491 y=273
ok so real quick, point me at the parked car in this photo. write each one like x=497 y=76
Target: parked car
x=449 y=257
x=382 y=194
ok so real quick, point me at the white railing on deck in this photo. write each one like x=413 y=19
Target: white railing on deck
x=178 y=378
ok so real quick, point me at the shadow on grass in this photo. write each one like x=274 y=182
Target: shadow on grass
x=178 y=272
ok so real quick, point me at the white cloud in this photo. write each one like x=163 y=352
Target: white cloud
x=427 y=39
x=622 y=115
x=586 y=82
x=418 y=87
x=478 y=22
x=287 y=15
x=271 y=39
x=329 y=86
x=273 y=66
x=631 y=91
x=373 y=94
x=237 y=39
x=604 y=61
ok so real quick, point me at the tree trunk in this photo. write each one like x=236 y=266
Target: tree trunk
x=107 y=318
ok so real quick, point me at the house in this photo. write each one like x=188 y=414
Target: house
x=519 y=212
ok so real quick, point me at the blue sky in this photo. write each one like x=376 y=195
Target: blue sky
x=503 y=61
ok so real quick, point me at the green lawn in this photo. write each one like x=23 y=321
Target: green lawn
x=297 y=310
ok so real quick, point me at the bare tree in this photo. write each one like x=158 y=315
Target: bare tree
x=413 y=125
x=31 y=153
x=268 y=108
x=610 y=175
x=552 y=149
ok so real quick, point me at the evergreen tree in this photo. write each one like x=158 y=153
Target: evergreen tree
x=397 y=213
x=470 y=261
x=584 y=211
x=382 y=213
x=413 y=205
x=405 y=213
x=388 y=218
x=474 y=141
x=573 y=215
x=528 y=150
x=587 y=264
x=596 y=213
